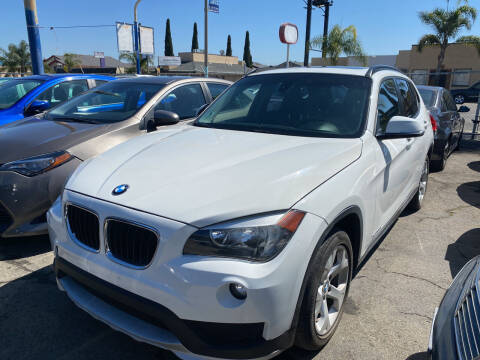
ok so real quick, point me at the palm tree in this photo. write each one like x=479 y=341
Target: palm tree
x=16 y=57
x=131 y=58
x=70 y=61
x=340 y=41
x=447 y=24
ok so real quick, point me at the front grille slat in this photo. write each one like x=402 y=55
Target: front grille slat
x=467 y=325
x=131 y=243
x=83 y=226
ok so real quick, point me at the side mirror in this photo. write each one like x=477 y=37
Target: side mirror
x=37 y=107
x=163 y=117
x=400 y=127
x=463 y=108
x=201 y=109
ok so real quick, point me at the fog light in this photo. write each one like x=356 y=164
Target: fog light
x=238 y=291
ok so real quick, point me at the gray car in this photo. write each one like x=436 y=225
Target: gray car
x=38 y=154
x=446 y=122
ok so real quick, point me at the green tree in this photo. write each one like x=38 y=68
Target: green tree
x=70 y=61
x=168 y=40
x=446 y=25
x=247 y=55
x=131 y=58
x=229 y=46
x=195 y=38
x=16 y=58
x=340 y=41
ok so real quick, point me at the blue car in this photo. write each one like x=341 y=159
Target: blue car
x=30 y=95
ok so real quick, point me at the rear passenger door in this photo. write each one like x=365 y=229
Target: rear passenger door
x=453 y=118
x=410 y=105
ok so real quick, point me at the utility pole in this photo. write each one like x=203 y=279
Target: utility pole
x=136 y=35
x=307 y=33
x=33 y=36
x=205 y=51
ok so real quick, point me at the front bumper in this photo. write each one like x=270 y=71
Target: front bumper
x=25 y=200
x=192 y=290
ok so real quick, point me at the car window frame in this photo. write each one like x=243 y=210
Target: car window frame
x=28 y=94
x=216 y=83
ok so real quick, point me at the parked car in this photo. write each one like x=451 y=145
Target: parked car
x=236 y=236
x=446 y=121
x=38 y=154
x=466 y=95
x=31 y=95
x=455 y=331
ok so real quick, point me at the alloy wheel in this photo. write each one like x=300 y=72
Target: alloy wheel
x=331 y=291
x=459 y=99
x=422 y=188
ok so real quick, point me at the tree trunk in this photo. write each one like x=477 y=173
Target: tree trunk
x=441 y=58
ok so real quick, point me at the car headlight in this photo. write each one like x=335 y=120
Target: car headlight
x=37 y=164
x=258 y=239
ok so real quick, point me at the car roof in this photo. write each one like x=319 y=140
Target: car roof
x=344 y=70
x=45 y=77
x=165 y=80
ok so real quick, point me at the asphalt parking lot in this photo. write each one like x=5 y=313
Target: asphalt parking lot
x=388 y=314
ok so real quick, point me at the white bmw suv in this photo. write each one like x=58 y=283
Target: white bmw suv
x=236 y=236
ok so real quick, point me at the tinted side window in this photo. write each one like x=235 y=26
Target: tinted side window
x=387 y=105
x=184 y=100
x=62 y=92
x=408 y=97
x=216 y=89
x=100 y=82
x=449 y=102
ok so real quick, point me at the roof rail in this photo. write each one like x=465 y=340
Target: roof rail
x=376 y=68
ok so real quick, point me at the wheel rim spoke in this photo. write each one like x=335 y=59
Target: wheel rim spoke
x=337 y=294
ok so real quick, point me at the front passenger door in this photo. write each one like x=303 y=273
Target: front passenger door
x=393 y=158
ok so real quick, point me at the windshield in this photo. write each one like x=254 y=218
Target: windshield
x=301 y=104
x=109 y=103
x=13 y=90
x=428 y=96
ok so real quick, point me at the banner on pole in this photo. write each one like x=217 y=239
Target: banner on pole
x=146 y=40
x=124 y=37
x=214 y=6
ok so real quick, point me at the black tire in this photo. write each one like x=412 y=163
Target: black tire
x=306 y=336
x=416 y=202
x=439 y=165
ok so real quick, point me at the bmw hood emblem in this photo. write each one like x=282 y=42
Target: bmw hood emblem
x=120 y=189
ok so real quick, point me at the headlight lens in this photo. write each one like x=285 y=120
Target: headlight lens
x=37 y=164
x=245 y=240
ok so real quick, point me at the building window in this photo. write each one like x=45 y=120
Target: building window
x=461 y=77
x=420 y=77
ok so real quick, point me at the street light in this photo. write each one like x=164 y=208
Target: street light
x=320 y=4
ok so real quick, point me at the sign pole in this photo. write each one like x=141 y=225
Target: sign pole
x=33 y=36
x=288 y=56
x=136 y=36
x=205 y=51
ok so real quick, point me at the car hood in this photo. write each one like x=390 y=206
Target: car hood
x=203 y=176
x=35 y=136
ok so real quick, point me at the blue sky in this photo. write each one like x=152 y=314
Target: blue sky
x=384 y=26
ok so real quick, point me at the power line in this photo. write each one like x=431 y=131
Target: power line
x=69 y=27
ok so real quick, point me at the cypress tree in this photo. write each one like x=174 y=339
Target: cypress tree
x=229 y=46
x=168 y=40
x=195 y=38
x=247 y=56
